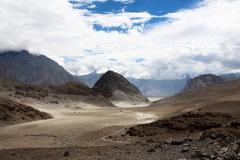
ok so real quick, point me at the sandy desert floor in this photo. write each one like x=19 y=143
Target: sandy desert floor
x=76 y=124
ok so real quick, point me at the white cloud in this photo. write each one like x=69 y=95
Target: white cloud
x=124 y=19
x=90 y=3
x=194 y=41
x=83 y=3
x=125 y=1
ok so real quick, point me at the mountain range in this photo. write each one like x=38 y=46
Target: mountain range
x=25 y=67
x=38 y=72
x=152 y=87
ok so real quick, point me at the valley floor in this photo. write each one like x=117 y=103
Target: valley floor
x=72 y=125
x=75 y=125
x=80 y=131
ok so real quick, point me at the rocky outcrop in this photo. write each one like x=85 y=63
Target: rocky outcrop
x=193 y=135
x=186 y=122
x=29 y=68
x=202 y=81
x=115 y=87
x=12 y=112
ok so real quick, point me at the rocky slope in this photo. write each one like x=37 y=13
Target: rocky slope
x=25 y=67
x=62 y=93
x=80 y=92
x=202 y=81
x=223 y=97
x=12 y=112
x=117 y=88
x=193 y=135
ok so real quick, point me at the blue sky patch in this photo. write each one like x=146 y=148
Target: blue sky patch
x=68 y=59
x=156 y=8
x=138 y=59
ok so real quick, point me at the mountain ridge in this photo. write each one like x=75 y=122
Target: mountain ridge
x=25 y=67
x=203 y=81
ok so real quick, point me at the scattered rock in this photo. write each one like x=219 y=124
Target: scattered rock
x=186 y=149
x=235 y=124
x=177 y=142
x=213 y=136
x=186 y=122
x=66 y=154
x=151 y=150
x=200 y=154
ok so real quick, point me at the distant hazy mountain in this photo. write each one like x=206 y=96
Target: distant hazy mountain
x=159 y=88
x=90 y=79
x=149 y=87
x=29 y=68
x=115 y=87
x=202 y=81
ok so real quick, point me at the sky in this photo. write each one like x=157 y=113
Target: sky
x=155 y=39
